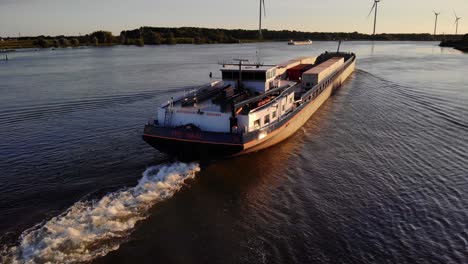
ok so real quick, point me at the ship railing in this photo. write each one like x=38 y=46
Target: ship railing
x=193 y=92
x=266 y=94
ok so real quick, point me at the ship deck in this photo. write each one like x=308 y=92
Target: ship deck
x=207 y=104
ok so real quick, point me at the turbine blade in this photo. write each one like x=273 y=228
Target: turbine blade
x=370 y=12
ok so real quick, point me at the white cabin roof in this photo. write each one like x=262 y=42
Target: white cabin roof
x=262 y=68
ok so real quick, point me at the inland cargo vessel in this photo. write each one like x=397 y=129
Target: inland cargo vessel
x=254 y=106
x=306 y=42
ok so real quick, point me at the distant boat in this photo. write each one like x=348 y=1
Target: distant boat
x=307 y=42
x=254 y=107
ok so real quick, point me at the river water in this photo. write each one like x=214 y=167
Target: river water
x=378 y=175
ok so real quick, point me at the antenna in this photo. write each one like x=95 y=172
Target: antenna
x=374 y=8
x=435 y=27
x=262 y=3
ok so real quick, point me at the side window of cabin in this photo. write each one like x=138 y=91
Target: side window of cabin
x=284 y=107
x=248 y=76
x=257 y=123
x=260 y=76
x=273 y=115
x=227 y=75
x=267 y=119
x=290 y=100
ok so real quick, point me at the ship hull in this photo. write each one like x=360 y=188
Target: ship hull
x=193 y=145
x=192 y=150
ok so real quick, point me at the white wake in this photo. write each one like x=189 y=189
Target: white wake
x=91 y=229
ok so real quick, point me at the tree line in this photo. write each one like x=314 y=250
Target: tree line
x=194 y=35
x=94 y=39
x=97 y=38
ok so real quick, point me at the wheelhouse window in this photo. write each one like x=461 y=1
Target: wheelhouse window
x=257 y=123
x=260 y=76
x=246 y=75
x=227 y=75
x=267 y=119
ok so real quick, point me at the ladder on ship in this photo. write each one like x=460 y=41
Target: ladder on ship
x=168 y=114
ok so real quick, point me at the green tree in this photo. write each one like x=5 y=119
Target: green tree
x=75 y=42
x=41 y=42
x=157 y=39
x=64 y=42
x=103 y=37
x=55 y=43
x=171 y=39
x=123 y=38
x=139 y=42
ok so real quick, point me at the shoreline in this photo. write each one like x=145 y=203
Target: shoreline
x=461 y=44
x=36 y=48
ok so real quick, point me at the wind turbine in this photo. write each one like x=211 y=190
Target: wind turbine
x=435 y=27
x=262 y=3
x=376 y=3
x=456 y=22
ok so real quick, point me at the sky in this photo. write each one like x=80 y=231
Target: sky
x=67 y=17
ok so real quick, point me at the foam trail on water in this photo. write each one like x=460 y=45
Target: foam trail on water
x=91 y=229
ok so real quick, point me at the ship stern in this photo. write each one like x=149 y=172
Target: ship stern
x=190 y=144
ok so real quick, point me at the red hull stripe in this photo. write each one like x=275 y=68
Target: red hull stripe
x=188 y=140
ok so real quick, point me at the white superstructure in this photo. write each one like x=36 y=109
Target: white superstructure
x=205 y=110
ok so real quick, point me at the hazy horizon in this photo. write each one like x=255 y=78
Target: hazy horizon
x=54 y=17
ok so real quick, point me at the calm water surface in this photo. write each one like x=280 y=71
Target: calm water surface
x=378 y=175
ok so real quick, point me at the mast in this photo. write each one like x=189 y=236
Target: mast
x=239 y=80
